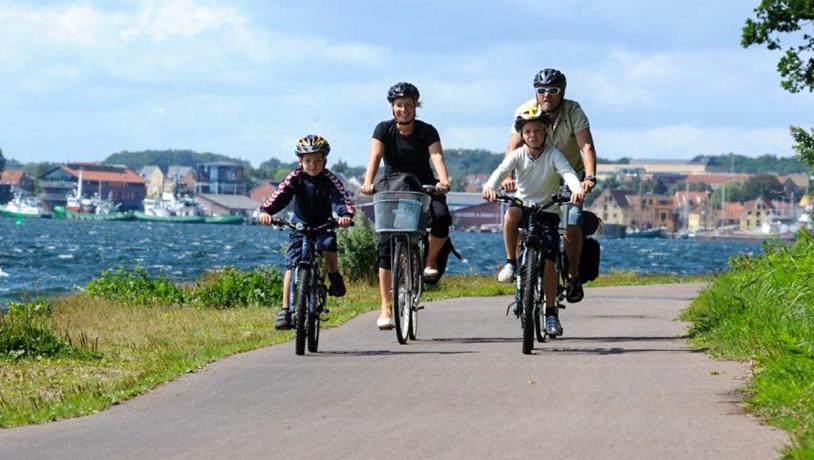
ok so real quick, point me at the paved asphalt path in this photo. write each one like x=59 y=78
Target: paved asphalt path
x=622 y=383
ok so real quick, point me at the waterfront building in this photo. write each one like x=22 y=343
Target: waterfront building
x=154 y=178
x=14 y=182
x=220 y=177
x=123 y=185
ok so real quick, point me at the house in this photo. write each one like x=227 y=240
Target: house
x=731 y=214
x=264 y=190
x=717 y=179
x=155 y=181
x=121 y=184
x=651 y=166
x=613 y=207
x=17 y=182
x=756 y=214
x=692 y=210
x=227 y=204
x=481 y=216
x=220 y=177
x=652 y=210
x=181 y=179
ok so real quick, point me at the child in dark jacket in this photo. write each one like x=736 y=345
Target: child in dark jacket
x=317 y=194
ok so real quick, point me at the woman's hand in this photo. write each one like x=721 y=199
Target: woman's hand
x=441 y=188
x=367 y=188
x=344 y=221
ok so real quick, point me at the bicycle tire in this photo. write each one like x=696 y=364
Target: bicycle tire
x=303 y=289
x=314 y=320
x=530 y=269
x=417 y=279
x=401 y=295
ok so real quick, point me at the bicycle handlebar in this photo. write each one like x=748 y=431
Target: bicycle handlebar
x=556 y=199
x=300 y=227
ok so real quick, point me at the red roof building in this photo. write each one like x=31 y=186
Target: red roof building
x=121 y=184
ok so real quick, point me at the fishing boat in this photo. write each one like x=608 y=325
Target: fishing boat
x=224 y=220
x=79 y=207
x=21 y=206
x=657 y=232
x=172 y=209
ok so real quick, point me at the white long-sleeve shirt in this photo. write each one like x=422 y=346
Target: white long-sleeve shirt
x=537 y=179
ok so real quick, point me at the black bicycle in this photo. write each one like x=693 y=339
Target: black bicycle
x=308 y=289
x=406 y=230
x=529 y=297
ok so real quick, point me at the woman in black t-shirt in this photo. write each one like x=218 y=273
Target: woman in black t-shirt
x=408 y=145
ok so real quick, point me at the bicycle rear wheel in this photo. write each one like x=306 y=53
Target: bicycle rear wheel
x=303 y=291
x=530 y=279
x=401 y=293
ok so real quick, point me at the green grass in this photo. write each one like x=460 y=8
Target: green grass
x=138 y=346
x=763 y=311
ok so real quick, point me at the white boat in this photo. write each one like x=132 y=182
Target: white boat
x=21 y=206
x=172 y=209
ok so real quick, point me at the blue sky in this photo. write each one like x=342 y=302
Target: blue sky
x=668 y=79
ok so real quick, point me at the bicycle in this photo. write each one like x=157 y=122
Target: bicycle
x=308 y=289
x=401 y=215
x=529 y=294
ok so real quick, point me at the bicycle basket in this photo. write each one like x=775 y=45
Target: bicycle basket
x=400 y=211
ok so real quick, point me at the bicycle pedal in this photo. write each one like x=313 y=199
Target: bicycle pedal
x=419 y=307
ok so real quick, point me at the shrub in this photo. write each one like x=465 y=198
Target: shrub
x=358 y=250
x=24 y=334
x=230 y=287
x=135 y=287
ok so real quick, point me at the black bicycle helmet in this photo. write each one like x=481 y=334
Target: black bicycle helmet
x=312 y=143
x=550 y=77
x=402 y=89
x=533 y=113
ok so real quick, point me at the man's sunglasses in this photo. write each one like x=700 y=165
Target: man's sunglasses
x=548 y=89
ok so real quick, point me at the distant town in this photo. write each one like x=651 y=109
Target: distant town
x=635 y=197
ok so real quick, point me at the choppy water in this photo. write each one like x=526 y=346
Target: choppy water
x=48 y=257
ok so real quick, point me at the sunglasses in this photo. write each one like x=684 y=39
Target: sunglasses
x=548 y=89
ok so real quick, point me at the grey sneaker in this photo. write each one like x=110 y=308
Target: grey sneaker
x=553 y=326
x=506 y=274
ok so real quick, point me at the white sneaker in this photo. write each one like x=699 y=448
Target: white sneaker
x=430 y=272
x=506 y=274
x=385 y=324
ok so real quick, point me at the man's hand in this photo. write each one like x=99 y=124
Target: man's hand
x=588 y=185
x=489 y=194
x=367 y=189
x=344 y=221
x=264 y=218
x=509 y=185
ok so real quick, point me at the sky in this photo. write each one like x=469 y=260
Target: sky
x=668 y=79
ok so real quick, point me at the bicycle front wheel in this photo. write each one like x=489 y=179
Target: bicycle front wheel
x=315 y=307
x=303 y=292
x=530 y=279
x=401 y=291
x=418 y=267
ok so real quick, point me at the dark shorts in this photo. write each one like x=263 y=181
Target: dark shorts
x=326 y=241
x=547 y=229
x=440 y=221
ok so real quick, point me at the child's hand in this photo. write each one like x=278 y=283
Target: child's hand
x=489 y=194
x=344 y=222
x=367 y=189
x=264 y=219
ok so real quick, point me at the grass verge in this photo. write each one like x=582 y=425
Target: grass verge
x=136 y=347
x=763 y=311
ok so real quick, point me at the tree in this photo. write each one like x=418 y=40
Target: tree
x=796 y=66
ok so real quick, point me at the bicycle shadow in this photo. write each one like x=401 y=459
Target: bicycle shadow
x=475 y=340
x=389 y=352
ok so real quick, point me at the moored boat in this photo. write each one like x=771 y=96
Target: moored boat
x=23 y=207
x=224 y=220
